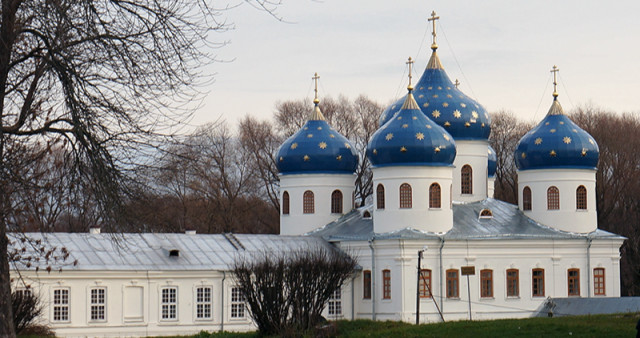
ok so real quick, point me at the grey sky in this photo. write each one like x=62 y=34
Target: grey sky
x=502 y=52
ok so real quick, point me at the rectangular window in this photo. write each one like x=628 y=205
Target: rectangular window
x=169 y=303
x=452 y=284
x=425 y=283
x=335 y=303
x=538 y=282
x=513 y=283
x=598 y=282
x=203 y=302
x=573 y=279
x=366 y=284
x=237 y=303
x=486 y=283
x=61 y=305
x=23 y=293
x=98 y=300
x=386 y=284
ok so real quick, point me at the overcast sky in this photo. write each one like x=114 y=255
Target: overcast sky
x=500 y=50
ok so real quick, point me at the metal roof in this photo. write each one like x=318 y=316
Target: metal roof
x=150 y=251
x=507 y=222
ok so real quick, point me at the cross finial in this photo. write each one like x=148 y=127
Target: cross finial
x=457 y=83
x=555 y=71
x=410 y=63
x=315 y=79
x=433 y=19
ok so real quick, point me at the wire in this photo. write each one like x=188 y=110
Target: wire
x=565 y=90
x=544 y=92
x=464 y=76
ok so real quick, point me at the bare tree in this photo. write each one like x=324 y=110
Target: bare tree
x=287 y=291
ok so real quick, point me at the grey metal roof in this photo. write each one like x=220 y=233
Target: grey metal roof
x=507 y=222
x=588 y=306
x=150 y=251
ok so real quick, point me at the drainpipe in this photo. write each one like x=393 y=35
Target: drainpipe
x=441 y=276
x=373 y=280
x=589 y=239
x=224 y=276
x=353 y=297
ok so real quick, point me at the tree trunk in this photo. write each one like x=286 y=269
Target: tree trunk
x=6 y=312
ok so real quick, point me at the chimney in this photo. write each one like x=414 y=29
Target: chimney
x=94 y=230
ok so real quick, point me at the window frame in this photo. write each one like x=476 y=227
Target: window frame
x=486 y=283
x=366 y=284
x=386 y=284
x=599 y=290
x=286 y=203
x=97 y=305
x=238 y=304
x=202 y=305
x=425 y=283
x=334 y=305
x=308 y=202
x=581 y=198
x=435 y=196
x=170 y=304
x=453 y=283
x=526 y=199
x=537 y=283
x=406 y=196
x=336 y=202
x=553 y=198
x=380 y=202
x=513 y=283
x=466 y=180
x=573 y=282
x=62 y=305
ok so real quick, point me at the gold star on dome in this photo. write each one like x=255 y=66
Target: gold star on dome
x=415 y=117
x=306 y=128
x=566 y=139
x=591 y=141
x=428 y=126
x=523 y=155
x=448 y=88
x=306 y=157
x=319 y=128
x=467 y=124
x=449 y=96
x=426 y=104
x=436 y=149
x=399 y=117
x=403 y=149
x=405 y=126
x=447 y=124
x=561 y=122
x=446 y=137
x=552 y=131
x=375 y=151
x=538 y=140
x=420 y=96
x=430 y=88
x=546 y=123
x=421 y=88
x=445 y=104
x=435 y=113
x=347 y=145
x=339 y=158
x=322 y=145
x=439 y=88
x=435 y=96
x=309 y=135
x=420 y=136
x=553 y=153
x=461 y=96
x=281 y=159
x=457 y=114
x=584 y=152
x=294 y=146
x=482 y=125
x=332 y=136
x=474 y=114
x=389 y=136
x=463 y=105
x=574 y=130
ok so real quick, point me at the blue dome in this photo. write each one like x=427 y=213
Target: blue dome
x=317 y=148
x=445 y=104
x=556 y=142
x=492 y=165
x=411 y=139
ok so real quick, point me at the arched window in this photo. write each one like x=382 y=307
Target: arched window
x=336 y=202
x=526 y=198
x=486 y=214
x=581 y=198
x=380 y=196
x=285 y=203
x=308 y=204
x=405 y=196
x=466 y=180
x=366 y=214
x=435 y=196
x=553 y=198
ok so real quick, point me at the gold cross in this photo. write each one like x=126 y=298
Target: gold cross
x=315 y=79
x=555 y=71
x=457 y=83
x=410 y=62
x=433 y=19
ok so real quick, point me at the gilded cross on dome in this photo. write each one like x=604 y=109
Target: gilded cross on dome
x=457 y=83
x=315 y=80
x=555 y=71
x=433 y=19
x=410 y=63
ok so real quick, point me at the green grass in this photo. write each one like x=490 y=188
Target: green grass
x=619 y=325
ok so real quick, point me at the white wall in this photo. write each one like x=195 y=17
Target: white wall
x=567 y=218
x=475 y=154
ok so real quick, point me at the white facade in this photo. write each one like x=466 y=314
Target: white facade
x=419 y=215
x=568 y=217
x=473 y=153
x=491 y=186
x=322 y=186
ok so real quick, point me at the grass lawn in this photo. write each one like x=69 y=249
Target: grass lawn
x=619 y=325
